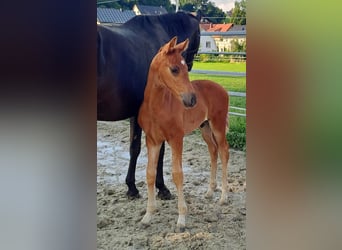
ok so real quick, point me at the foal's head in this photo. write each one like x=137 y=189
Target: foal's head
x=172 y=72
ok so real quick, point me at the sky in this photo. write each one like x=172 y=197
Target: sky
x=225 y=5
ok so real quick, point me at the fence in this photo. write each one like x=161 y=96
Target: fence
x=226 y=73
x=240 y=94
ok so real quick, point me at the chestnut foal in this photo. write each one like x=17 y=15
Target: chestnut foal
x=172 y=107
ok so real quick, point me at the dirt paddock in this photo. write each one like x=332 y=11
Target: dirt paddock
x=208 y=225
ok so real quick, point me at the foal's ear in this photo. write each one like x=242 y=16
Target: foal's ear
x=170 y=45
x=182 y=46
x=173 y=41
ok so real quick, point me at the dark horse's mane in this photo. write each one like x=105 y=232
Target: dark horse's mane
x=171 y=23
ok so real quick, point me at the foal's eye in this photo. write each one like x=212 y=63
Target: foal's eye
x=174 y=70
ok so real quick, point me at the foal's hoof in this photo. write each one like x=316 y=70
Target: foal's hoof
x=180 y=229
x=164 y=194
x=223 y=202
x=143 y=225
x=132 y=195
x=209 y=194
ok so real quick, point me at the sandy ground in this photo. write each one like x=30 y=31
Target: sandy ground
x=208 y=224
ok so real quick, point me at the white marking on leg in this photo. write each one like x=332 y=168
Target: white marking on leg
x=147 y=218
x=151 y=170
x=181 y=221
x=223 y=199
x=151 y=207
x=182 y=209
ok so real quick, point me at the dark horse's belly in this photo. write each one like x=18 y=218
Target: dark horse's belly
x=108 y=113
x=120 y=89
x=116 y=106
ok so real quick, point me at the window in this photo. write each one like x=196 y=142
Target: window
x=208 y=45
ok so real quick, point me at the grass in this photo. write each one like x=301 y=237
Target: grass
x=237 y=101
x=237 y=125
x=221 y=66
x=229 y=83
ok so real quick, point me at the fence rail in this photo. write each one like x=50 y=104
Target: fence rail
x=239 y=94
x=216 y=72
x=222 y=53
x=227 y=33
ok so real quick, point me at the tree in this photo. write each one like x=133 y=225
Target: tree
x=189 y=7
x=216 y=15
x=239 y=13
x=236 y=46
x=165 y=3
x=196 y=3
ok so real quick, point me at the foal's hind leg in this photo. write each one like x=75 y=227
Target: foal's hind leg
x=219 y=132
x=212 y=147
x=224 y=155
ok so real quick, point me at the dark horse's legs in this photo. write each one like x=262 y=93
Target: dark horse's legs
x=135 y=145
x=163 y=193
x=134 y=150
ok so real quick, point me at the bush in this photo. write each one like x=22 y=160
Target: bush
x=237 y=140
x=237 y=133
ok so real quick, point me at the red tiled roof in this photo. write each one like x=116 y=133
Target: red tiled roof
x=205 y=26
x=220 y=27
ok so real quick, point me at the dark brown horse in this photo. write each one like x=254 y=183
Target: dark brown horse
x=173 y=107
x=124 y=53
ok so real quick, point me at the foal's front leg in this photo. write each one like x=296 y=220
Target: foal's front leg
x=153 y=153
x=177 y=175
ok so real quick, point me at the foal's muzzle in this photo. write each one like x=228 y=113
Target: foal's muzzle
x=189 y=99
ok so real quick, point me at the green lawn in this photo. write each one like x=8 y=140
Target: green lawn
x=237 y=101
x=230 y=83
